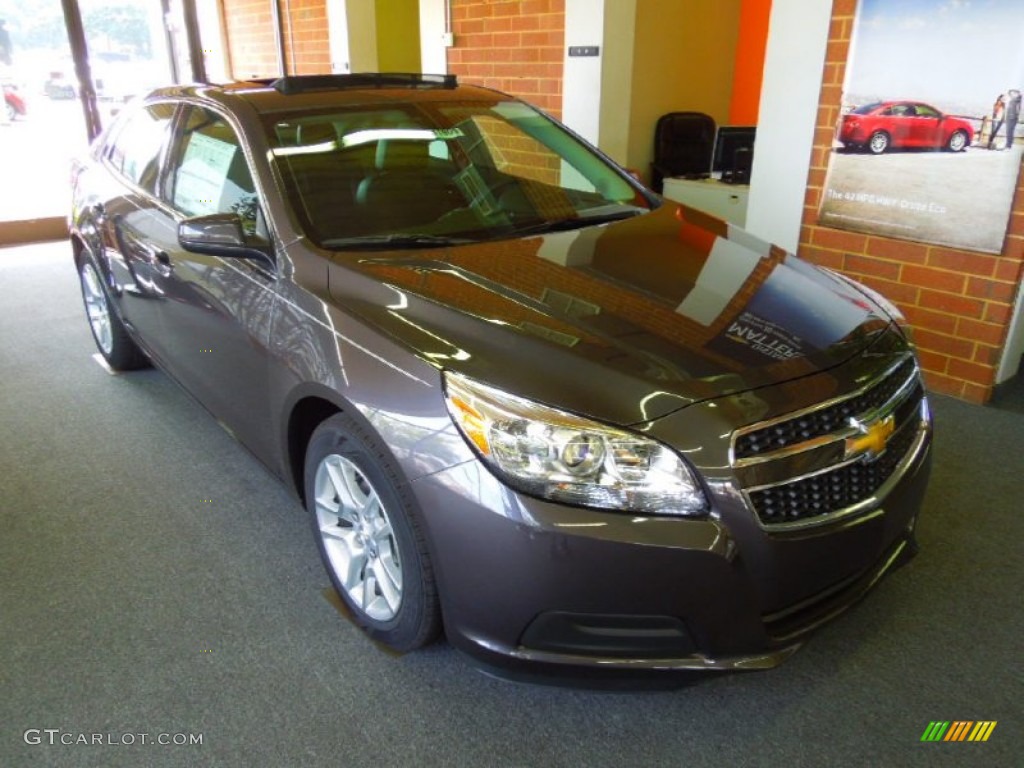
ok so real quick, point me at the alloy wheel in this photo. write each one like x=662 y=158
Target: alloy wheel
x=97 y=309
x=358 y=538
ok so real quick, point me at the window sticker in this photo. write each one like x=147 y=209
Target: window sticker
x=201 y=178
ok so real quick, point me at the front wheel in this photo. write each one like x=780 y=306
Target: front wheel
x=368 y=535
x=112 y=339
x=957 y=141
x=879 y=142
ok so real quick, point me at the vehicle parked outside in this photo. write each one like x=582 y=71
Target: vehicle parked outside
x=14 y=103
x=522 y=398
x=885 y=125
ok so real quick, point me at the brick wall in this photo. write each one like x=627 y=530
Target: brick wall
x=249 y=28
x=306 y=43
x=959 y=302
x=515 y=46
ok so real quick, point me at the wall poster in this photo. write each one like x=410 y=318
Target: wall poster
x=929 y=141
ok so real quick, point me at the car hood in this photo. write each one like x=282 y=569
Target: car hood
x=623 y=322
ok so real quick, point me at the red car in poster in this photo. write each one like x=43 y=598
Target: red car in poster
x=885 y=125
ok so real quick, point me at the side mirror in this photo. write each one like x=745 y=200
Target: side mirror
x=219 y=234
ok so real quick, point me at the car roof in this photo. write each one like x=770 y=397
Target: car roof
x=320 y=92
x=894 y=102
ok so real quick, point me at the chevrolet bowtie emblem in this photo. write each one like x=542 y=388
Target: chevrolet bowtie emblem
x=870 y=443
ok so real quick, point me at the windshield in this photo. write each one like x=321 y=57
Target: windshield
x=422 y=174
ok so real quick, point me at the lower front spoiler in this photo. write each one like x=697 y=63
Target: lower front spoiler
x=532 y=665
x=696 y=662
x=523 y=665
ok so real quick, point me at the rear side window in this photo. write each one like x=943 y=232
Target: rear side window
x=135 y=152
x=209 y=173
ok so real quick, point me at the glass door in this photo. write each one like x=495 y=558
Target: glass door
x=43 y=126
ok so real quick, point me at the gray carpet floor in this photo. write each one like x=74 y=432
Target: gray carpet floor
x=157 y=580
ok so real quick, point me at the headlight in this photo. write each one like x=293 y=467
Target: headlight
x=556 y=455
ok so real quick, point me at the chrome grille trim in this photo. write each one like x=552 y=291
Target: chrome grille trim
x=816 y=442
x=921 y=425
x=790 y=482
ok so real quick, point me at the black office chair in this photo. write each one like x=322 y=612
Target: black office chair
x=683 y=142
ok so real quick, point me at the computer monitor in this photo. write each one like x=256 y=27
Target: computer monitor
x=734 y=153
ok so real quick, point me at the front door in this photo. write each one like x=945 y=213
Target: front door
x=216 y=312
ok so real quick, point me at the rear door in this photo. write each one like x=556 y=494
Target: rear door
x=128 y=216
x=217 y=311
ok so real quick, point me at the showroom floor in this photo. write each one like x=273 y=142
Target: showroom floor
x=157 y=580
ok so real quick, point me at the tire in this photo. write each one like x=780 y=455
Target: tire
x=368 y=532
x=957 y=141
x=109 y=333
x=878 y=143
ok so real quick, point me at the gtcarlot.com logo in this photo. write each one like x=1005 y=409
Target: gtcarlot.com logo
x=959 y=730
x=56 y=736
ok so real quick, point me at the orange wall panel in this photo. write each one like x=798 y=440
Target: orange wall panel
x=750 y=50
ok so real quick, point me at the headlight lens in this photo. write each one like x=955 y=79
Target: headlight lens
x=563 y=457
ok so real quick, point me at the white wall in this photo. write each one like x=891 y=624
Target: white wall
x=337 y=35
x=793 y=72
x=433 y=52
x=581 y=84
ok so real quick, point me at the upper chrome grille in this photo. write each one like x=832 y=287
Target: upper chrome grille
x=798 y=470
x=828 y=492
x=817 y=423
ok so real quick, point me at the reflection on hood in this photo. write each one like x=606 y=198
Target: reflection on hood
x=674 y=298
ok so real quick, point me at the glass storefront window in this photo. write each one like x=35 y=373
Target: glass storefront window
x=42 y=126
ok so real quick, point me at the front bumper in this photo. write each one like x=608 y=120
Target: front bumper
x=527 y=584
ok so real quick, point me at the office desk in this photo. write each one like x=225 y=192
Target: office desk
x=726 y=201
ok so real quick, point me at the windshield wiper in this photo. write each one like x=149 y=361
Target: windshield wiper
x=394 y=240
x=561 y=225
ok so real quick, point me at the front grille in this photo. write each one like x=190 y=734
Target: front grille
x=795 y=471
x=822 y=422
x=831 y=491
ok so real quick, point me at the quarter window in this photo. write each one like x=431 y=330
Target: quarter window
x=210 y=173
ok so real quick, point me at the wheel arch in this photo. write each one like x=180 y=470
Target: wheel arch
x=968 y=138
x=308 y=411
x=78 y=247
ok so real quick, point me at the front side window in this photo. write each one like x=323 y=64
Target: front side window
x=209 y=172
x=429 y=171
x=137 y=145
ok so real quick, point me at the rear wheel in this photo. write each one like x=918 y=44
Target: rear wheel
x=109 y=333
x=879 y=142
x=368 y=535
x=957 y=141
